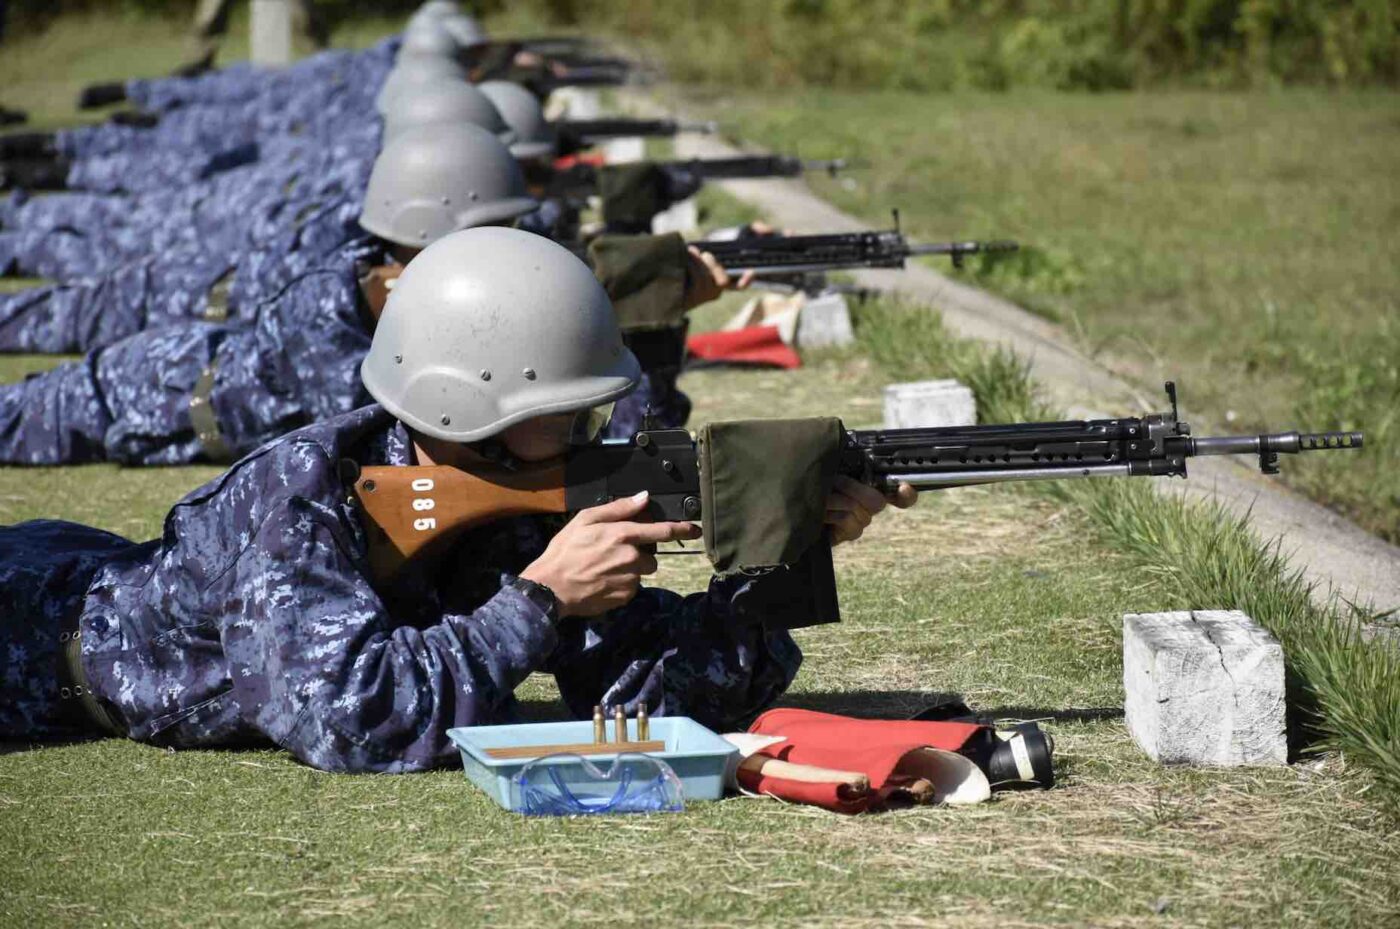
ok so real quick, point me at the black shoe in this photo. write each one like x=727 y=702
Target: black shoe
x=99 y=95
x=198 y=66
x=135 y=118
x=34 y=175
x=9 y=117
x=27 y=145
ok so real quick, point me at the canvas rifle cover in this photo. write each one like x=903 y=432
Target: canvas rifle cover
x=632 y=194
x=644 y=276
x=763 y=488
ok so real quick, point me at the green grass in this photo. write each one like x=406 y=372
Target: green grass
x=1344 y=690
x=1012 y=598
x=1243 y=244
x=994 y=594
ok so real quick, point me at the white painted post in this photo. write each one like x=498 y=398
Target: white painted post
x=1204 y=687
x=929 y=404
x=624 y=150
x=682 y=216
x=270 y=37
x=825 y=321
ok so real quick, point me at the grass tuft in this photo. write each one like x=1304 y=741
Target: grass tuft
x=1344 y=689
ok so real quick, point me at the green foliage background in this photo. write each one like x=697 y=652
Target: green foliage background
x=950 y=44
x=994 y=44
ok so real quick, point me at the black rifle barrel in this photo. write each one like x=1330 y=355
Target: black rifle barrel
x=964 y=248
x=666 y=464
x=1289 y=443
x=1156 y=445
x=788 y=255
x=619 y=127
x=754 y=166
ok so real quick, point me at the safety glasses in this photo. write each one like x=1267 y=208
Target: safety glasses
x=571 y=785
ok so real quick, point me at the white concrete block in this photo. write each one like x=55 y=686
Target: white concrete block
x=1204 y=687
x=825 y=321
x=927 y=404
x=624 y=150
x=270 y=33
x=682 y=216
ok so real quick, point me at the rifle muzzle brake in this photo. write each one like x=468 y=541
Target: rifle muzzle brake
x=1287 y=443
x=1268 y=447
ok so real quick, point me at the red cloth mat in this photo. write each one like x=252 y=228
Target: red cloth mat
x=596 y=159
x=874 y=747
x=754 y=345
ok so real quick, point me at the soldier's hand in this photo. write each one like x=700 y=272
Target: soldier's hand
x=597 y=561
x=706 y=279
x=852 y=505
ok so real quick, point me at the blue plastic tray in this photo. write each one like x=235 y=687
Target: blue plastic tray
x=696 y=754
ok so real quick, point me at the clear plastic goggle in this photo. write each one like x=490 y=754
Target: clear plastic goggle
x=589 y=424
x=571 y=785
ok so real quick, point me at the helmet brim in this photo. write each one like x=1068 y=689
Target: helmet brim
x=590 y=392
x=486 y=214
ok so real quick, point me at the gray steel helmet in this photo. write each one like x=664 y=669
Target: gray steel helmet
x=413 y=74
x=426 y=39
x=434 y=9
x=534 y=136
x=465 y=29
x=433 y=180
x=487 y=328
x=450 y=102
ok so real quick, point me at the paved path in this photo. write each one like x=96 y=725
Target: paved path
x=1331 y=550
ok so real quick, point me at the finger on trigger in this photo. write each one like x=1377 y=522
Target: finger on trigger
x=643 y=533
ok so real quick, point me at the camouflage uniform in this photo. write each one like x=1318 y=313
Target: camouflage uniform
x=253 y=620
x=141 y=400
x=177 y=286
x=231 y=214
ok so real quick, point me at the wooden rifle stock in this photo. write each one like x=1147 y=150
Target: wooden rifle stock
x=414 y=513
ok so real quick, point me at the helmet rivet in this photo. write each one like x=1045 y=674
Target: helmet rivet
x=485 y=374
x=422 y=233
x=529 y=374
x=473 y=196
x=446 y=420
x=446 y=201
x=398 y=359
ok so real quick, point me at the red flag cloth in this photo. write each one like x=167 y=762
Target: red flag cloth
x=873 y=747
x=756 y=345
x=596 y=159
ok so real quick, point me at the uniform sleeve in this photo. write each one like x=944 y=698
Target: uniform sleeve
x=721 y=656
x=338 y=683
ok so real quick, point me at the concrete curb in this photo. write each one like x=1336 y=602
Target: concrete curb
x=1332 y=552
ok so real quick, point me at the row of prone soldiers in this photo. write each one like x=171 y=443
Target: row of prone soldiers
x=222 y=306
x=350 y=261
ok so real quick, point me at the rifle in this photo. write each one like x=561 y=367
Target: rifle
x=581 y=179
x=413 y=511
x=543 y=83
x=613 y=128
x=805 y=254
